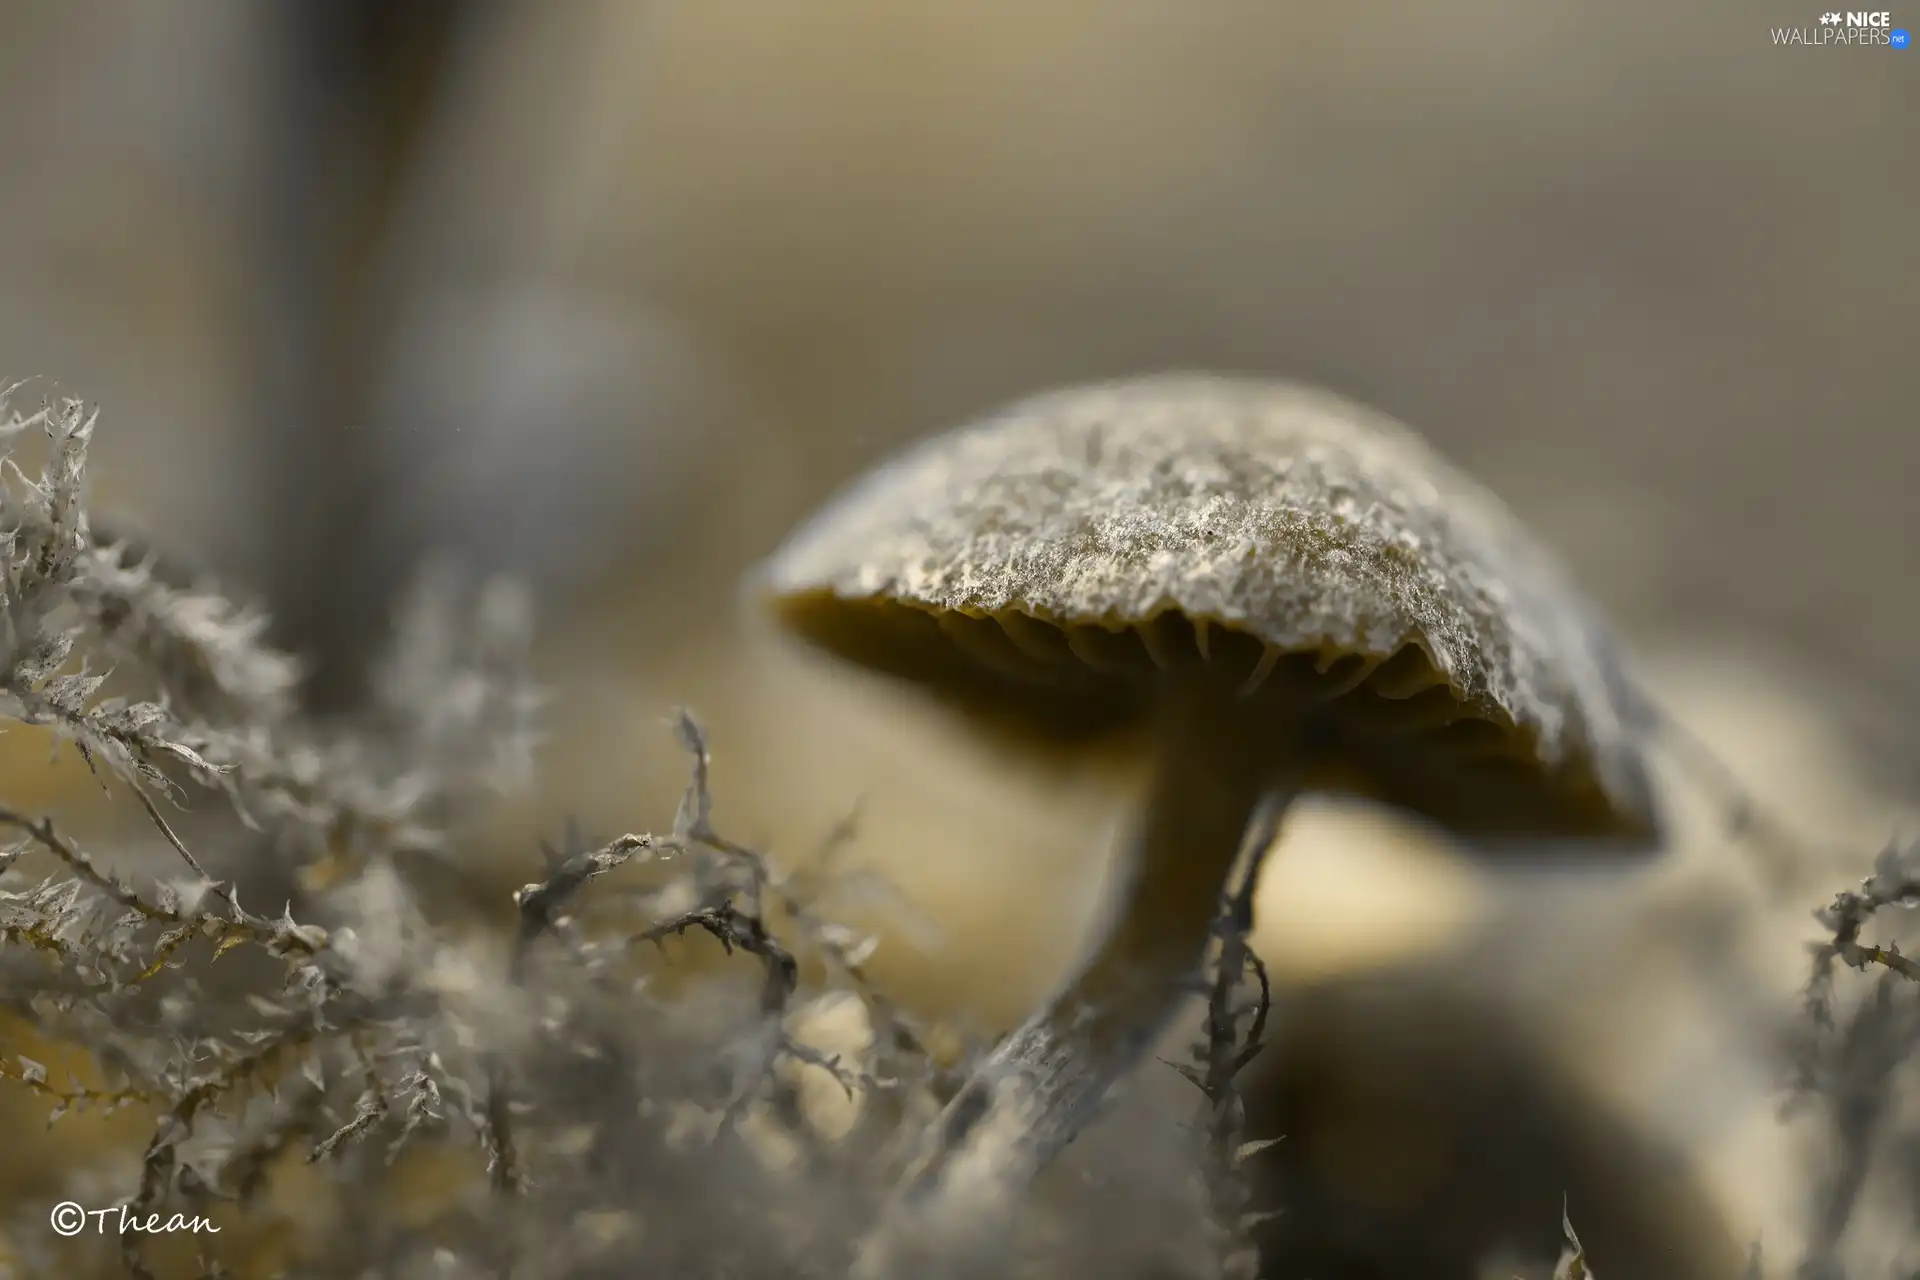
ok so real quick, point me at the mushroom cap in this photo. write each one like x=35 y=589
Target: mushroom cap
x=1053 y=566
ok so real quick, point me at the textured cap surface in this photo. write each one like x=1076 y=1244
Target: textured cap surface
x=1055 y=562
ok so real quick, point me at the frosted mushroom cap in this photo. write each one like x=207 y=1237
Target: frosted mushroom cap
x=1053 y=565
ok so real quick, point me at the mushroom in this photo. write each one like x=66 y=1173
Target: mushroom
x=1277 y=589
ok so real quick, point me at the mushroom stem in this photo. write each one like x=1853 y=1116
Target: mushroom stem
x=1044 y=1083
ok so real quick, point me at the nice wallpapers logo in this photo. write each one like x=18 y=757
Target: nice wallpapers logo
x=1852 y=30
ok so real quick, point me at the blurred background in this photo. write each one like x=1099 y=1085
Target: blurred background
x=609 y=294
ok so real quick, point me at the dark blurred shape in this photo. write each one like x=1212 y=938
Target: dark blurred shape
x=355 y=83
x=459 y=377
x=1427 y=1135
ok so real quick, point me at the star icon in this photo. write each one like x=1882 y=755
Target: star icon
x=1829 y=19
